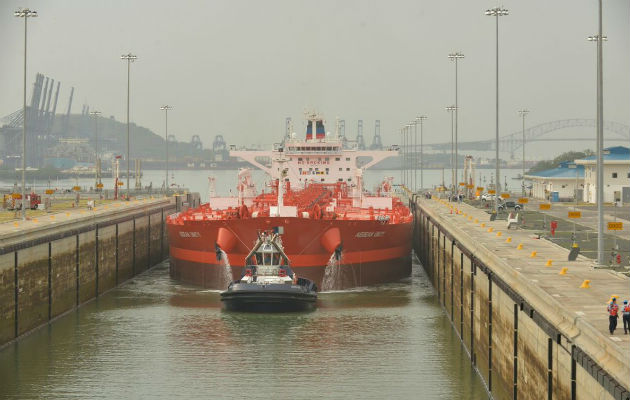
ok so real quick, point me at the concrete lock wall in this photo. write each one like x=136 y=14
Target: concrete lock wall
x=518 y=352
x=52 y=271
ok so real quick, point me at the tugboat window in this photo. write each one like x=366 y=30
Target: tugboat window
x=267 y=259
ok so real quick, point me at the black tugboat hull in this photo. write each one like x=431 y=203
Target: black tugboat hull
x=270 y=298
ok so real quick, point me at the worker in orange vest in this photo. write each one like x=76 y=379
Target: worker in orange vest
x=626 y=317
x=613 y=314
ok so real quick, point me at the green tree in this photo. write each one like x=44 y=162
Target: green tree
x=568 y=156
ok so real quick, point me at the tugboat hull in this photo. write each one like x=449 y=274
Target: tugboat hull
x=249 y=297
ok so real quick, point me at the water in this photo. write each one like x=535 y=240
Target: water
x=156 y=339
x=332 y=273
x=227 y=269
x=225 y=181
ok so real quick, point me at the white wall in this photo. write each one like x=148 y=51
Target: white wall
x=611 y=185
x=542 y=187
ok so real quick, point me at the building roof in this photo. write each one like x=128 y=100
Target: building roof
x=563 y=171
x=616 y=153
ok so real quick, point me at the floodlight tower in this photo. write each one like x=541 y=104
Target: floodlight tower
x=455 y=57
x=600 y=38
x=421 y=119
x=497 y=12
x=166 y=108
x=523 y=113
x=26 y=14
x=129 y=58
x=452 y=109
x=97 y=178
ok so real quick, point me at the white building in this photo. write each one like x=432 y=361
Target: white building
x=557 y=184
x=616 y=176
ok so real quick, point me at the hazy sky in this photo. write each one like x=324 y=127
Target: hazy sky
x=240 y=67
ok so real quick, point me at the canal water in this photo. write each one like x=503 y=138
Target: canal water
x=154 y=338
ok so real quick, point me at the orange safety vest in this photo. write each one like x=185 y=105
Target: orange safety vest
x=612 y=309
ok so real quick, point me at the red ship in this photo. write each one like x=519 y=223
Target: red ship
x=336 y=233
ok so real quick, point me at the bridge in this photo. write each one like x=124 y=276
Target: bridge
x=538 y=133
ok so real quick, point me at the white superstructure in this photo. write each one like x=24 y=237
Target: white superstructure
x=319 y=157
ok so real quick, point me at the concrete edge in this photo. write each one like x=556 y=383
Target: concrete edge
x=575 y=329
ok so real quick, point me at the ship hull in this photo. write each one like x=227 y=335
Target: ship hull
x=370 y=253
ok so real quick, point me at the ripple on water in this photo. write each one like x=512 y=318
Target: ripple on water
x=154 y=338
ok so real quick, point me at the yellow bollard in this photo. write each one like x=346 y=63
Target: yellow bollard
x=586 y=284
x=490 y=229
x=52 y=217
x=499 y=233
x=549 y=263
x=67 y=214
x=483 y=225
x=533 y=254
x=509 y=239
x=563 y=271
x=520 y=246
x=465 y=214
x=35 y=220
x=476 y=221
x=16 y=224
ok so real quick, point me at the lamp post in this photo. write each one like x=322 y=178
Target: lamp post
x=497 y=12
x=166 y=108
x=97 y=178
x=455 y=57
x=421 y=119
x=451 y=109
x=409 y=155
x=599 y=38
x=26 y=14
x=402 y=159
x=414 y=159
x=523 y=113
x=129 y=58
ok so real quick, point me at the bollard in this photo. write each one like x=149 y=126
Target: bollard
x=476 y=221
x=483 y=225
x=490 y=229
x=509 y=239
x=499 y=233
x=52 y=217
x=563 y=271
x=16 y=224
x=35 y=220
x=549 y=263
x=470 y=218
x=533 y=254
x=67 y=214
x=586 y=284
x=520 y=246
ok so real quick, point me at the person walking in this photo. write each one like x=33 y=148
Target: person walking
x=626 y=317
x=613 y=314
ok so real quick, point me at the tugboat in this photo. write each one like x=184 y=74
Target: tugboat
x=268 y=284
